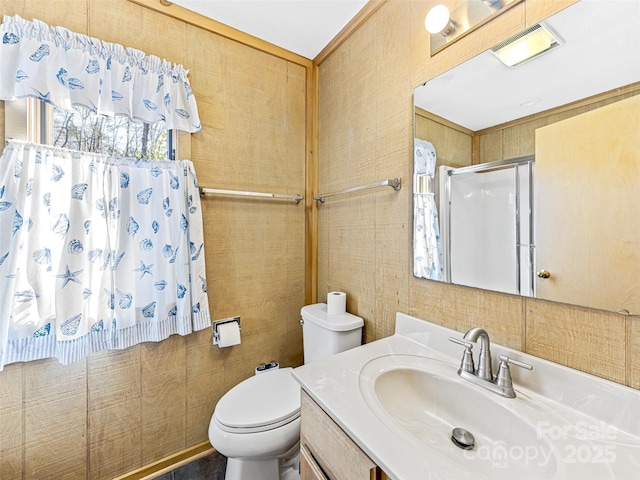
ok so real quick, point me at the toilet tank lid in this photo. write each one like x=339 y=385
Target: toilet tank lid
x=317 y=313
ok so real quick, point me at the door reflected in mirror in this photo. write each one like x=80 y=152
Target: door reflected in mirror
x=482 y=112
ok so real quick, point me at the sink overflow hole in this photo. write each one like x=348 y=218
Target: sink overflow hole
x=462 y=438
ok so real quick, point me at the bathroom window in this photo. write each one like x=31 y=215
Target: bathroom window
x=31 y=120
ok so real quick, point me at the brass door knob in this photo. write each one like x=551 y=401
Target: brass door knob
x=543 y=274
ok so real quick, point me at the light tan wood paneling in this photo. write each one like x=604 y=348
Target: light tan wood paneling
x=369 y=9
x=363 y=151
x=432 y=301
x=589 y=340
x=633 y=351
x=435 y=118
x=55 y=425
x=204 y=385
x=491 y=147
x=163 y=389
x=519 y=140
x=114 y=418
x=390 y=263
x=71 y=14
x=134 y=26
x=311 y=188
x=253 y=139
x=12 y=7
x=11 y=436
x=501 y=315
x=453 y=145
x=392 y=132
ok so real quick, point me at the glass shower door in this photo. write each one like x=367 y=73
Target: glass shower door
x=487 y=231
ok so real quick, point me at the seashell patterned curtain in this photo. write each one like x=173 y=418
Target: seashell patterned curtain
x=427 y=252
x=96 y=253
x=64 y=69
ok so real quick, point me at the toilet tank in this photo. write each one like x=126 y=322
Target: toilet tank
x=326 y=334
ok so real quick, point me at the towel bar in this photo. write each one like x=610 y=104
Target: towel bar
x=296 y=198
x=393 y=182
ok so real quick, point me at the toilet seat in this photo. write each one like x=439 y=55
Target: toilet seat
x=260 y=403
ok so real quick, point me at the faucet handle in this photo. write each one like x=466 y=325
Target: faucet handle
x=464 y=343
x=467 y=359
x=503 y=378
x=506 y=360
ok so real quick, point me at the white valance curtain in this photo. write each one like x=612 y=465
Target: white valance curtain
x=96 y=253
x=65 y=69
x=427 y=254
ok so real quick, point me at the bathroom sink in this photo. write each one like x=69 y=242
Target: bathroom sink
x=422 y=399
x=400 y=399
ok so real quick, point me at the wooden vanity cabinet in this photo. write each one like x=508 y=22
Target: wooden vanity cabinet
x=327 y=453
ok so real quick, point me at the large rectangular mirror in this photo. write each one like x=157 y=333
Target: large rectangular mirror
x=527 y=178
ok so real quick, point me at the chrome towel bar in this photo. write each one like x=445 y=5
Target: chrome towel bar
x=296 y=198
x=393 y=183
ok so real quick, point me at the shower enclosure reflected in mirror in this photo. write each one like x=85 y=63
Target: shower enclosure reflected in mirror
x=585 y=222
x=486 y=215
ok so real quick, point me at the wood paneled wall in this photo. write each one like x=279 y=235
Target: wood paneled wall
x=365 y=135
x=117 y=411
x=453 y=143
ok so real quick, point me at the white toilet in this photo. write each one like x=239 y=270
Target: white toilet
x=256 y=424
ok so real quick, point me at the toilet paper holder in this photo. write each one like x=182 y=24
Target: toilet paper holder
x=216 y=334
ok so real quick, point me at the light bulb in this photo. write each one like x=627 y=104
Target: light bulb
x=439 y=21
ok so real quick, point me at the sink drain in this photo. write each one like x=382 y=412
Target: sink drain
x=462 y=438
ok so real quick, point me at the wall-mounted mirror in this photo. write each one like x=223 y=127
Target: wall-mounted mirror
x=553 y=145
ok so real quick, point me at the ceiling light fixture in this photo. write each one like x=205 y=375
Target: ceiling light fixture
x=446 y=27
x=527 y=45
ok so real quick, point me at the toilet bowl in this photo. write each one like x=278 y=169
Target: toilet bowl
x=256 y=424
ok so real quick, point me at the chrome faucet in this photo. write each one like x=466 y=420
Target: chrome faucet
x=483 y=375
x=484 y=370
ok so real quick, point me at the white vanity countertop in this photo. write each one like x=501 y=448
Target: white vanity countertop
x=595 y=424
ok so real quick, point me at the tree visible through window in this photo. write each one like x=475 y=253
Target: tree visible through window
x=117 y=136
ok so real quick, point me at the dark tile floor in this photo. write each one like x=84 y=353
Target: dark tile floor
x=211 y=467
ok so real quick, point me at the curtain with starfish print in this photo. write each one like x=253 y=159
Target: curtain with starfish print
x=96 y=253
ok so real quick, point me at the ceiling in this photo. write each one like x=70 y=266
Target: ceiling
x=304 y=27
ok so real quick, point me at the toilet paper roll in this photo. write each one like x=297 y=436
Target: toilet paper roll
x=336 y=303
x=228 y=334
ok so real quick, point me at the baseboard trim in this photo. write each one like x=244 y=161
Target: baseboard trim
x=169 y=463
